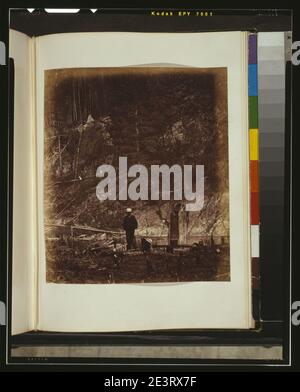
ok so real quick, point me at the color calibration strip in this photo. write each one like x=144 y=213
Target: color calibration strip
x=272 y=58
x=254 y=156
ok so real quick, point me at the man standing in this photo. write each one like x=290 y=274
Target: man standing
x=129 y=225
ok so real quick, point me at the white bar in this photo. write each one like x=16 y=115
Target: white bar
x=271 y=39
x=62 y=10
x=255 y=240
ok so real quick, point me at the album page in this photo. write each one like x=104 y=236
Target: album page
x=24 y=249
x=142 y=181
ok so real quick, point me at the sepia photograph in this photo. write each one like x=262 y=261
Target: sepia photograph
x=136 y=185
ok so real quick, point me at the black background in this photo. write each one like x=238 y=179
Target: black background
x=116 y=22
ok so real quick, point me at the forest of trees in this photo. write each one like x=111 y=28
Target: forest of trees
x=151 y=116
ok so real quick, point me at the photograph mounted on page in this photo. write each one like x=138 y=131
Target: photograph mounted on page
x=136 y=175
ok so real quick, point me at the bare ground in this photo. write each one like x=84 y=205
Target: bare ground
x=66 y=264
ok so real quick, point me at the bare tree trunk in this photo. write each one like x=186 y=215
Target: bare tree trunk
x=77 y=156
x=79 y=103
x=60 y=158
x=137 y=132
x=75 y=112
